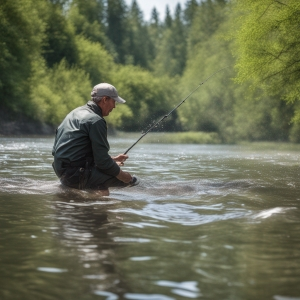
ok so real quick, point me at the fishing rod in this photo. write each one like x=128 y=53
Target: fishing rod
x=165 y=116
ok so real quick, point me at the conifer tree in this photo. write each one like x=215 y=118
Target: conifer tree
x=171 y=53
x=60 y=38
x=168 y=18
x=137 y=42
x=155 y=34
x=190 y=11
x=116 y=26
x=154 y=17
x=88 y=19
x=208 y=17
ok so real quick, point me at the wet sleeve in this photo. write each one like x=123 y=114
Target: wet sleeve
x=100 y=147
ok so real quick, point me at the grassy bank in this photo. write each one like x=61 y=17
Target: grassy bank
x=193 y=137
x=280 y=146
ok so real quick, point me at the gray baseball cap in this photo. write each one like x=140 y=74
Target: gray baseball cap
x=106 y=89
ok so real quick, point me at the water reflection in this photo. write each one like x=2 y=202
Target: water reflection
x=85 y=228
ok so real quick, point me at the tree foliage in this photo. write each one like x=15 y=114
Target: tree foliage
x=268 y=42
x=53 y=52
x=148 y=96
x=21 y=39
x=57 y=91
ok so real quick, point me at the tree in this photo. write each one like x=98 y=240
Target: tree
x=59 y=43
x=21 y=37
x=154 y=21
x=88 y=19
x=94 y=59
x=137 y=43
x=190 y=11
x=168 y=18
x=221 y=105
x=268 y=47
x=172 y=50
x=56 y=91
x=208 y=16
x=116 y=26
x=148 y=96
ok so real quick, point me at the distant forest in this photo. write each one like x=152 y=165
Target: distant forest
x=53 y=52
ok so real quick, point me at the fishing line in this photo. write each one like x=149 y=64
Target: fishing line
x=165 y=116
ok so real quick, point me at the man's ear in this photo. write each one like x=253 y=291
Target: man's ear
x=105 y=98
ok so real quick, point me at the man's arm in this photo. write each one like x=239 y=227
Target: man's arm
x=100 y=148
x=106 y=163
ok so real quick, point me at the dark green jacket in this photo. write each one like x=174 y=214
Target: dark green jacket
x=83 y=133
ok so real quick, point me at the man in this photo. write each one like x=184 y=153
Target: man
x=80 y=150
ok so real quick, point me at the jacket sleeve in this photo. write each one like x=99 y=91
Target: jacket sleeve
x=100 y=147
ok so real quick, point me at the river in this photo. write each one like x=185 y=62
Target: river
x=206 y=222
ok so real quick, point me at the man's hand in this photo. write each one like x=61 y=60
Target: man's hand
x=120 y=159
x=124 y=176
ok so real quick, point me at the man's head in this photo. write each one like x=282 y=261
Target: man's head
x=106 y=96
x=105 y=89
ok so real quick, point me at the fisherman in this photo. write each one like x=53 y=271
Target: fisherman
x=80 y=150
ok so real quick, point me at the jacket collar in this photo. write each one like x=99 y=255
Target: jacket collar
x=95 y=108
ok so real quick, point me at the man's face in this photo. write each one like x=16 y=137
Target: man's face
x=107 y=105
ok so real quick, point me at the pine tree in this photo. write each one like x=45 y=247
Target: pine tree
x=137 y=41
x=171 y=53
x=88 y=20
x=155 y=35
x=60 y=38
x=208 y=16
x=168 y=18
x=190 y=11
x=116 y=26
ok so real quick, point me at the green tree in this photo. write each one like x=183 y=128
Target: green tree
x=221 y=105
x=147 y=96
x=60 y=37
x=94 y=60
x=116 y=26
x=137 y=42
x=21 y=38
x=208 y=16
x=267 y=38
x=190 y=11
x=56 y=91
x=168 y=18
x=154 y=17
x=172 y=50
x=88 y=19
x=155 y=35
x=211 y=108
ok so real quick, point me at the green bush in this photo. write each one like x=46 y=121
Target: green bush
x=95 y=60
x=55 y=92
x=148 y=97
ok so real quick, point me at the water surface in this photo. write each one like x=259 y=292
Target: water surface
x=206 y=222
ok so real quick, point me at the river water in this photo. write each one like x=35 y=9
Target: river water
x=206 y=222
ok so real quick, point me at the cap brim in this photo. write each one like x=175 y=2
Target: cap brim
x=119 y=99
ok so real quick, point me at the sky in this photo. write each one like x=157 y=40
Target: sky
x=146 y=6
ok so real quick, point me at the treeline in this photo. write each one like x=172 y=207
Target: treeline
x=53 y=52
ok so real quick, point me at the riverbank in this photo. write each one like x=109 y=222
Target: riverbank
x=189 y=137
x=22 y=125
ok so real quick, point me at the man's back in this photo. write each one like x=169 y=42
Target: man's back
x=73 y=138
